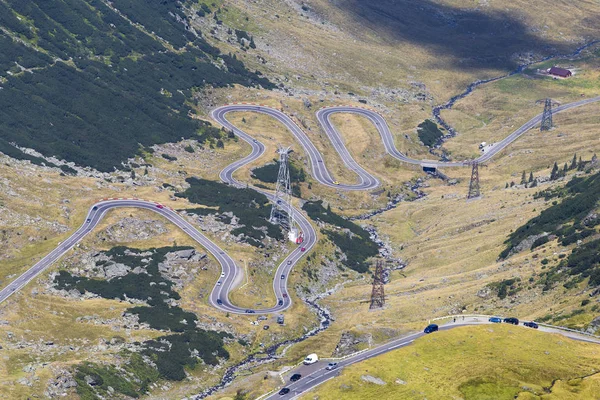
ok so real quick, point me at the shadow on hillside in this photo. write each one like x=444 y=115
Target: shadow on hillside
x=474 y=39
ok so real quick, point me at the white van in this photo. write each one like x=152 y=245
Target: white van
x=311 y=359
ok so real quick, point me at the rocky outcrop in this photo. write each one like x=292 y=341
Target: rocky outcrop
x=351 y=342
x=60 y=385
x=132 y=230
x=372 y=379
x=594 y=326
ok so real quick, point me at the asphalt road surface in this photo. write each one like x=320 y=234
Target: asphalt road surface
x=316 y=374
x=231 y=272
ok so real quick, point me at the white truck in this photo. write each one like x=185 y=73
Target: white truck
x=311 y=359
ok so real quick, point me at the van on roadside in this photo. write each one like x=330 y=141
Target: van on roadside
x=311 y=359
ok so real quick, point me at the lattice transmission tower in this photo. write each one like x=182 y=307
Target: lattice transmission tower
x=282 y=212
x=546 y=124
x=377 y=294
x=474 y=190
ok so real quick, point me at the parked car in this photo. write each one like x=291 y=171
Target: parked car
x=511 y=320
x=431 y=328
x=266 y=327
x=495 y=320
x=330 y=366
x=284 y=391
x=311 y=359
x=295 y=377
x=531 y=324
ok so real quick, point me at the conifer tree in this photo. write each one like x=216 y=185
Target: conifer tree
x=554 y=173
x=524 y=178
x=574 y=162
x=530 y=177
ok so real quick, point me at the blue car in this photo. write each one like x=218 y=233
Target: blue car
x=431 y=328
x=496 y=320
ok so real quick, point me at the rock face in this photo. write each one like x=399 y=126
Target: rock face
x=60 y=385
x=350 y=343
x=132 y=229
x=594 y=325
x=526 y=244
x=372 y=379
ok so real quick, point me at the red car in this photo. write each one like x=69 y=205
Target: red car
x=285 y=295
x=160 y=206
x=303 y=249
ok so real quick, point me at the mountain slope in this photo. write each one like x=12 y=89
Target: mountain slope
x=90 y=82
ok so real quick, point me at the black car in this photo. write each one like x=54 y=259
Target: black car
x=431 y=328
x=249 y=311
x=95 y=208
x=531 y=324
x=284 y=391
x=219 y=301
x=280 y=302
x=295 y=377
x=282 y=276
x=511 y=320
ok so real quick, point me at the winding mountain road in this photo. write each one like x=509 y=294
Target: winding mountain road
x=219 y=296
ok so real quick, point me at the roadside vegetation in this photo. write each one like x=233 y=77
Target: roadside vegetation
x=268 y=174
x=252 y=208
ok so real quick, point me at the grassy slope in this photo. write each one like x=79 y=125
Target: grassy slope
x=492 y=362
x=337 y=43
x=495 y=110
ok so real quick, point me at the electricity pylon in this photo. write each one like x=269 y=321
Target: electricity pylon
x=546 y=124
x=377 y=293
x=282 y=212
x=474 y=191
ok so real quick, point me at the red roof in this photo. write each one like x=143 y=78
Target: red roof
x=560 y=72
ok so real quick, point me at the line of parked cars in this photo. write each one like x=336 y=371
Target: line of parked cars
x=514 y=321
x=497 y=320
